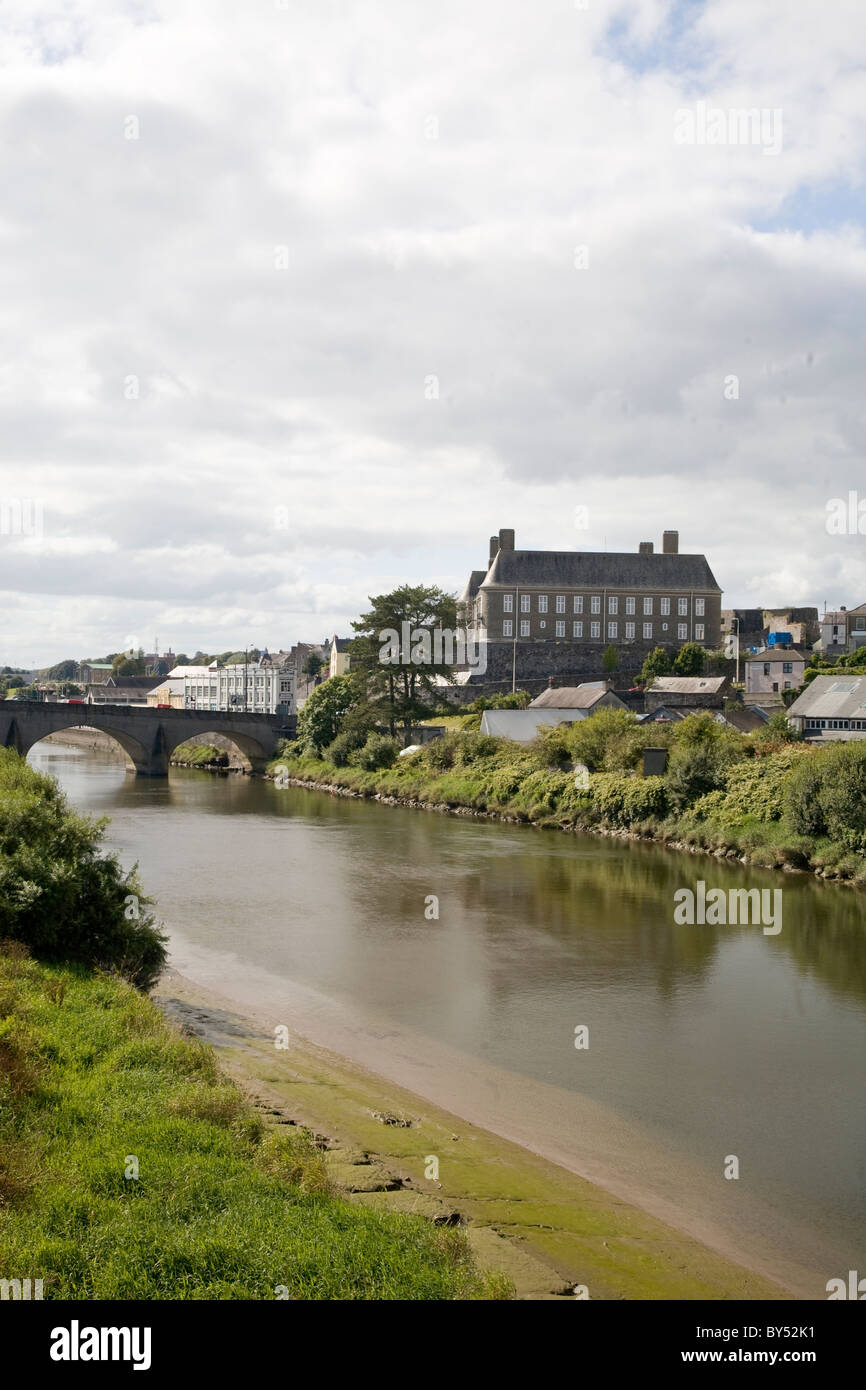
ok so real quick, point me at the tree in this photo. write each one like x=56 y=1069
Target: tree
x=405 y=643
x=658 y=663
x=128 y=666
x=321 y=719
x=610 y=660
x=313 y=665
x=690 y=660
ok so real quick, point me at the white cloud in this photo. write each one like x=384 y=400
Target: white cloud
x=152 y=260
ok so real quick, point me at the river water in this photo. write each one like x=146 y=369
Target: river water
x=705 y=1042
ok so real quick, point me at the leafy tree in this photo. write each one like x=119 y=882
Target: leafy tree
x=690 y=660
x=658 y=663
x=60 y=895
x=610 y=660
x=400 y=674
x=321 y=719
x=128 y=666
x=63 y=671
x=609 y=741
x=313 y=665
x=702 y=753
x=379 y=751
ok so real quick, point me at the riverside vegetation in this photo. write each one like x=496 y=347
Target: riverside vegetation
x=130 y=1166
x=765 y=798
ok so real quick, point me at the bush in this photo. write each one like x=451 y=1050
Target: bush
x=345 y=744
x=827 y=795
x=59 y=895
x=379 y=751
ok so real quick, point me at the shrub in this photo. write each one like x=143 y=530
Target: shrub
x=379 y=751
x=60 y=896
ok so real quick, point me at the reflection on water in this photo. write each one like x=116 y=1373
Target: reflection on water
x=710 y=1040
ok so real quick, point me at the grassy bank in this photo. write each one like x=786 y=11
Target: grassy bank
x=205 y=755
x=133 y=1168
x=763 y=800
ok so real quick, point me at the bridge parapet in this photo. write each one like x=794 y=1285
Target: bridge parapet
x=147 y=735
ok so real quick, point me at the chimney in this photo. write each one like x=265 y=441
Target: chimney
x=671 y=543
x=551 y=682
x=506 y=540
x=645 y=548
x=494 y=550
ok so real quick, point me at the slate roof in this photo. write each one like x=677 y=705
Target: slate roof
x=689 y=685
x=832 y=697
x=778 y=654
x=570 y=696
x=590 y=569
x=476 y=579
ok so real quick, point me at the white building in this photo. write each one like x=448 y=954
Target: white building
x=257 y=687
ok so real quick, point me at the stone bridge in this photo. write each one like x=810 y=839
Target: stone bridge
x=148 y=736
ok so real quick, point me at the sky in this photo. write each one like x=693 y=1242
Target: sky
x=301 y=302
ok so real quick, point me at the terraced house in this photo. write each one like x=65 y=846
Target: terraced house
x=544 y=612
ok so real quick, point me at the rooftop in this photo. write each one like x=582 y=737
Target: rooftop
x=590 y=569
x=832 y=697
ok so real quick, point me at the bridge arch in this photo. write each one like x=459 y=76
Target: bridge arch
x=249 y=747
x=134 y=750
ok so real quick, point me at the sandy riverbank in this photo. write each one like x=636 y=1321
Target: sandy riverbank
x=546 y=1227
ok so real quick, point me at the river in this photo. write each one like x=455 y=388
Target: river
x=705 y=1042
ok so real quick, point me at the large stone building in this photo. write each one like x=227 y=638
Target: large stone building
x=554 y=612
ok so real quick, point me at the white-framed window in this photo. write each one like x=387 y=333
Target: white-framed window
x=543 y=623
x=699 y=607
x=647 y=607
x=595 y=629
x=611 y=629
x=524 y=603
x=542 y=603
x=666 y=607
x=560 y=629
x=629 y=630
x=508 y=603
x=507 y=627
x=578 y=603
x=612 y=604
x=682 y=631
x=524 y=627
x=629 y=605
x=577 y=629
x=560 y=603
x=647 y=630
x=699 y=632
x=682 y=607
x=595 y=603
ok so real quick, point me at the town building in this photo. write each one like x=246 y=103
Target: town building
x=755 y=626
x=687 y=692
x=541 y=612
x=266 y=686
x=842 y=630
x=168 y=693
x=339 y=657
x=119 y=690
x=94 y=672
x=774 y=669
x=831 y=708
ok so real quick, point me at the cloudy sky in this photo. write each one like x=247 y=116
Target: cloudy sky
x=303 y=301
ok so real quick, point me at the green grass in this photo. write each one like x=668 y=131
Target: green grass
x=510 y=780
x=200 y=755
x=92 y=1076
